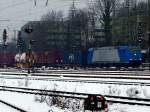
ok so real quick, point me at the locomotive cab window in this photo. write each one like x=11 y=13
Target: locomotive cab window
x=134 y=49
x=99 y=104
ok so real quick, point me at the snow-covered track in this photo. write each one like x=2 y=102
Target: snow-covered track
x=130 y=73
x=128 y=100
x=96 y=81
x=112 y=99
x=92 y=75
x=12 y=106
x=108 y=76
x=46 y=92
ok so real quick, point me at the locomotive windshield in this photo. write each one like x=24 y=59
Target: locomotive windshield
x=134 y=49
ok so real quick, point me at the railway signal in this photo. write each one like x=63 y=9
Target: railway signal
x=95 y=103
x=4 y=35
x=140 y=32
x=29 y=30
x=4 y=46
x=149 y=33
x=19 y=40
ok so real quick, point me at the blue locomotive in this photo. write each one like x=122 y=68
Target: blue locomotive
x=106 y=56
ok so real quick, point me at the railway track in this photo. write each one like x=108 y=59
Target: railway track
x=12 y=106
x=105 y=75
x=110 y=99
x=128 y=100
x=61 y=70
x=130 y=73
x=78 y=80
x=95 y=72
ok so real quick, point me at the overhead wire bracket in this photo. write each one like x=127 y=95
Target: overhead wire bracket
x=46 y=3
x=34 y=2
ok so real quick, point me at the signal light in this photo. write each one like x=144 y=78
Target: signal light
x=29 y=29
x=140 y=32
x=140 y=40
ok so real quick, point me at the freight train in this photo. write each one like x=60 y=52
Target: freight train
x=118 y=56
x=93 y=57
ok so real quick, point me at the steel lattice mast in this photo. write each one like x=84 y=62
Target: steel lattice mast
x=149 y=32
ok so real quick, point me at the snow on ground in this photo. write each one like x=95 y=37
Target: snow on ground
x=5 y=108
x=139 y=91
x=128 y=108
x=29 y=103
x=24 y=101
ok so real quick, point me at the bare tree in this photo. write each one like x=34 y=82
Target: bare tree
x=46 y=30
x=52 y=16
x=104 y=11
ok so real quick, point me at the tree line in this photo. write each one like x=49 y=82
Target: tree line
x=117 y=24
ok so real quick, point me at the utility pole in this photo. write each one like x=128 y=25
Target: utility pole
x=71 y=33
x=4 y=46
x=15 y=34
x=149 y=33
x=114 y=8
x=73 y=9
x=128 y=18
x=29 y=30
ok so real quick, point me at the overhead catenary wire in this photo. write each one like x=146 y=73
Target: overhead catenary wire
x=21 y=11
x=21 y=18
x=54 y=1
x=18 y=4
x=25 y=20
x=14 y=5
x=40 y=10
x=11 y=6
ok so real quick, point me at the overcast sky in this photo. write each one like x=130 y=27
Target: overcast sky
x=17 y=12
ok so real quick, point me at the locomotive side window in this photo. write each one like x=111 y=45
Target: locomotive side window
x=99 y=104
x=134 y=49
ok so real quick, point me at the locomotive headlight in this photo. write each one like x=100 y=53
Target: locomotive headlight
x=134 y=54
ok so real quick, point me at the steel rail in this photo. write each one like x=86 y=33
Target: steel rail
x=101 y=73
x=128 y=98
x=47 y=92
x=129 y=103
x=81 y=75
x=79 y=80
x=117 y=99
x=12 y=106
x=96 y=76
x=44 y=90
x=98 y=73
